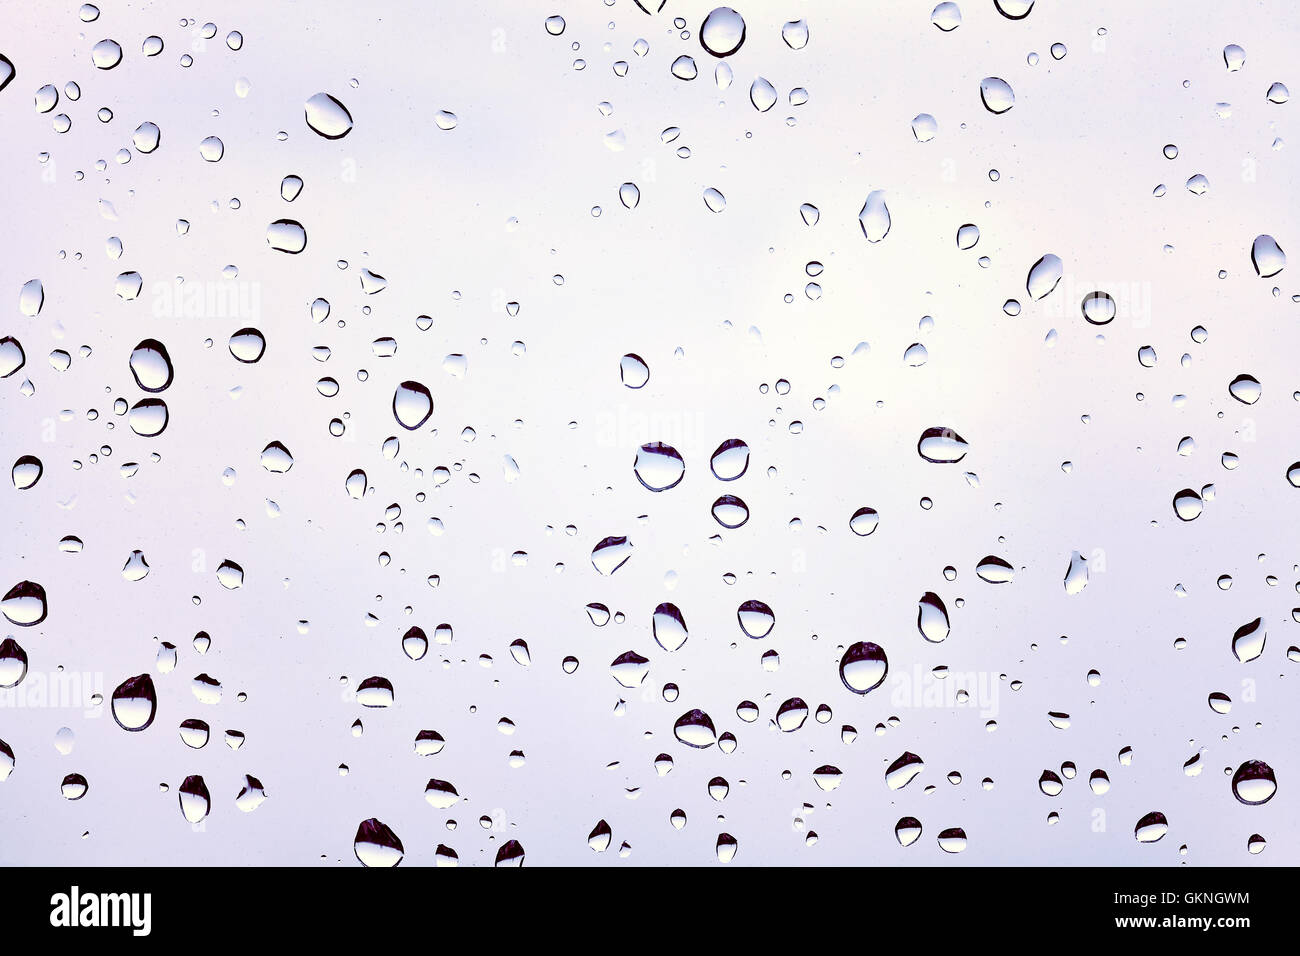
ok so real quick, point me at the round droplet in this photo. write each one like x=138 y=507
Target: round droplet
x=1188 y=504
x=247 y=345
x=148 y=417
x=26 y=472
x=658 y=466
x=327 y=117
x=212 y=149
x=1245 y=389
x=1151 y=828
x=134 y=703
x=633 y=371
x=756 y=619
x=863 y=667
x=730 y=511
x=412 y=405
x=151 y=366
x=924 y=127
x=376 y=845
x=1267 y=257
x=1043 y=276
x=864 y=521
x=874 y=216
x=24 y=604
x=730 y=460
x=106 y=54
x=286 y=235
x=695 y=729
x=996 y=94
x=1098 y=308
x=195 y=800
x=722 y=32
x=946 y=16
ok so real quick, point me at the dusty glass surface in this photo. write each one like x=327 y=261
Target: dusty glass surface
x=618 y=434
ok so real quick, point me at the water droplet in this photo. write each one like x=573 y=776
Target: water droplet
x=756 y=619
x=864 y=521
x=195 y=800
x=795 y=34
x=610 y=554
x=212 y=149
x=286 y=235
x=376 y=845
x=134 y=703
x=24 y=604
x=730 y=460
x=412 y=405
x=695 y=729
x=1076 y=575
x=1267 y=257
x=1188 y=504
x=730 y=512
x=946 y=16
x=994 y=570
x=722 y=32
x=1098 y=308
x=327 y=117
x=26 y=472
x=1245 y=389
x=1151 y=828
x=996 y=94
x=903 y=770
x=633 y=371
x=874 y=216
x=925 y=128
x=12 y=356
x=13 y=663
x=1254 y=783
x=932 y=618
x=106 y=54
x=941 y=446
x=151 y=366
x=863 y=667
x=1043 y=276
x=658 y=466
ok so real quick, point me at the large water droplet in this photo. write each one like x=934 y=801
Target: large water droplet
x=151 y=366
x=412 y=405
x=863 y=667
x=658 y=466
x=134 y=703
x=376 y=845
x=695 y=729
x=24 y=604
x=996 y=94
x=874 y=216
x=327 y=117
x=669 y=627
x=756 y=619
x=1043 y=276
x=1254 y=783
x=941 y=446
x=722 y=32
x=932 y=618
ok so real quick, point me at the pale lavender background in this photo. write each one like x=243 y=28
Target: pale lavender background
x=1079 y=156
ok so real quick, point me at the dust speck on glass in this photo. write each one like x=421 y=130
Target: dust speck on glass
x=652 y=432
